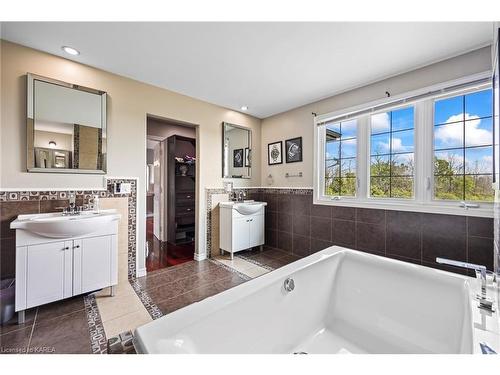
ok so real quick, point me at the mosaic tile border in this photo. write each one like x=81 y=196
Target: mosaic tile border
x=153 y=310
x=210 y=192
x=253 y=261
x=98 y=341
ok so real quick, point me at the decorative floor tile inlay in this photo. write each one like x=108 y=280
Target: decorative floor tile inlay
x=256 y=262
x=98 y=341
x=146 y=299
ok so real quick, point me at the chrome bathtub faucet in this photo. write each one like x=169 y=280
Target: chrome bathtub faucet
x=485 y=303
x=289 y=284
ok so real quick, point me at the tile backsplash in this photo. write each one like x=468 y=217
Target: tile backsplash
x=14 y=203
x=295 y=224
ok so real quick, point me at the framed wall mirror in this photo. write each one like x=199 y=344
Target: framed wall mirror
x=236 y=151
x=66 y=127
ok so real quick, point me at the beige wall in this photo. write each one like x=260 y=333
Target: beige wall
x=129 y=102
x=299 y=122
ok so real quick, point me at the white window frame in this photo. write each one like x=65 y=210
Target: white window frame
x=423 y=200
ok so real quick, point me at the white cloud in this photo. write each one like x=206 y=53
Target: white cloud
x=397 y=146
x=453 y=135
x=380 y=123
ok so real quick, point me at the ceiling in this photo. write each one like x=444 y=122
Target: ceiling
x=269 y=67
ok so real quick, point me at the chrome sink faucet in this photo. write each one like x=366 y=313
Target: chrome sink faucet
x=239 y=196
x=485 y=303
x=72 y=208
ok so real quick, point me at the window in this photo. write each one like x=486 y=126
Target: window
x=391 y=154
x=463 y=147
x=340 y=159
x=429 y=150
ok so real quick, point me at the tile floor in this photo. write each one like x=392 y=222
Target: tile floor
x=59 y=327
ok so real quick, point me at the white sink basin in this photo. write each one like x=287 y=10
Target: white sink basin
x=245 y=208
x=58 y=226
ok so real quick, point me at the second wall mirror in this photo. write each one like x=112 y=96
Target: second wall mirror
x=236 y=151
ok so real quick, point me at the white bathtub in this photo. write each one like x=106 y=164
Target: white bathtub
x=344 y=301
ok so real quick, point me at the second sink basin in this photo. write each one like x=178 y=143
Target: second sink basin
x=245 y=208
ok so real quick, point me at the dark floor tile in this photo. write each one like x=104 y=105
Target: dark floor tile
x=228 y=283
x=321 y=228
x=372 y=216
x=344 y=213
x=277 y=253
x=480 y=251
x=180 y=301
x=65 y=334
x=404 y=234
x=301 y=245
x=271 y=220
x=15 y=342
x=9 y=212
x=480 y=226
x=285 y=241
x=443 y=236
x=285 y=222
x=321 y=210
x=302 y=225
x=302 y=204
x=12 y=325
x=277 y=263
x=318 y=244
x=370 y=238
x=285 y=204
x=60 y=308
x=344 y=233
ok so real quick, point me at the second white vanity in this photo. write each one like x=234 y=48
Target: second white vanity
x=241 y=225
x=60 y=256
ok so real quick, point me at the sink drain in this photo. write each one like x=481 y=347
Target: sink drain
x=300 y=353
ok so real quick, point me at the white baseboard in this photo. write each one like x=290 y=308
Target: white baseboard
x=141 y=272
x=200 y=257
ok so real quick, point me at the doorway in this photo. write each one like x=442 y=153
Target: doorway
x=171 y=193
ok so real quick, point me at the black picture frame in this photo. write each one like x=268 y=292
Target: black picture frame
x=275 y=147
x=238 y=158
x=248 y=157
x=293 y=150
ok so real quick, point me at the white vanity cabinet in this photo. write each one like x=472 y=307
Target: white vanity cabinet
x=49 y=269
x=241 y=226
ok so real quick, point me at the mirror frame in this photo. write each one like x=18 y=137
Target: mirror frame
x=30 y=122
x=249 y=146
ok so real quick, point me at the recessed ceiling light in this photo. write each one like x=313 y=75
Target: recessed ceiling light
x=244 y=108
x=70 y=50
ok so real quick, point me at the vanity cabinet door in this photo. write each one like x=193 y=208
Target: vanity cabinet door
x=241 y=234
x=256 y=230
x=95 y=263
x=48 y=272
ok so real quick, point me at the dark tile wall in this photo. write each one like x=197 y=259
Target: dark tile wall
x=295 y=224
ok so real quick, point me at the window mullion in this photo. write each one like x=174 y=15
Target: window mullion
x=424 y=156
x=363 y=155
